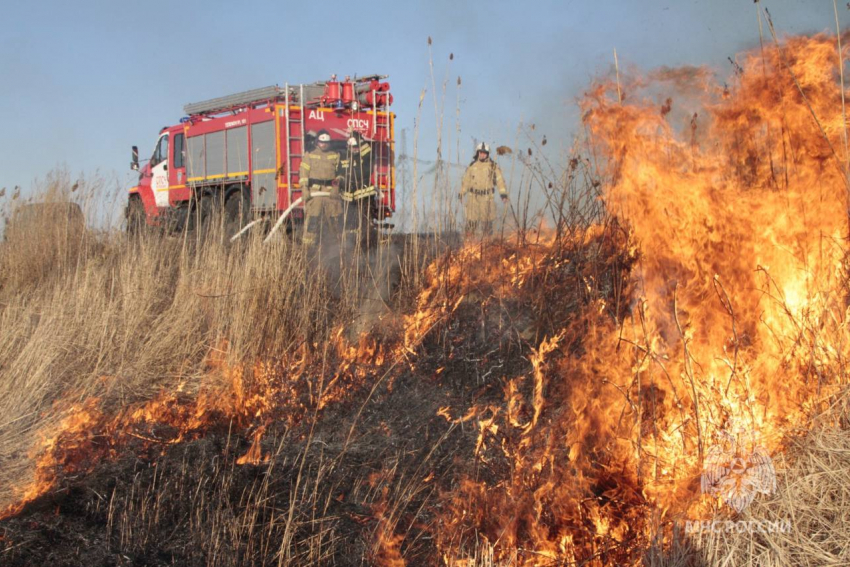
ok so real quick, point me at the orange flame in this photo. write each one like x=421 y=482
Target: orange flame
x=739 y=319
x=88 y=434
x=254 y=455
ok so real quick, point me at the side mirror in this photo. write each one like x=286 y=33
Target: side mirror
x=134 y=160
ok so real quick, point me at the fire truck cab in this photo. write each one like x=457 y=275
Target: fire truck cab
x=240 y=154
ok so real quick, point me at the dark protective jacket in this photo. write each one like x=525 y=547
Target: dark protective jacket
x=318 y=166
x=357 y=173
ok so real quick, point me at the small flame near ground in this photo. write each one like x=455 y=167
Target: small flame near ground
x=238 y=398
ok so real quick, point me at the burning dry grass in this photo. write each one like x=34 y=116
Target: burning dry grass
x=344 y=469
x=545 y=399
x=105 y=325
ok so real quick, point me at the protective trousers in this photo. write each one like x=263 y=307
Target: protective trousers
x=357 y=221
x=323 y=216
x=480 y=212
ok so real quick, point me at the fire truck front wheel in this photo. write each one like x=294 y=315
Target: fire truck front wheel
x=237 y=213
x=200 y=213
x=136 y=223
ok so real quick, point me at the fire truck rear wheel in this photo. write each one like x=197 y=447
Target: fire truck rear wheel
x=237 y=213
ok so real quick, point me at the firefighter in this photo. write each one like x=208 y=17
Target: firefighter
x=319 y=181
x=310 y=140
x=357 y=189
x=476 y=191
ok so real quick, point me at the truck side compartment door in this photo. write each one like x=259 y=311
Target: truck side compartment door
x=264 y=174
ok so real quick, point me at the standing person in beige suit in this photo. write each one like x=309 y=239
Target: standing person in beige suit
x=476 y=192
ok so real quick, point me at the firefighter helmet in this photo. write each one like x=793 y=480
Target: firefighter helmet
x=482 y=147
x=352 y=141
x=324 y=136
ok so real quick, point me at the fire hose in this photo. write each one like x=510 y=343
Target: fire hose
x=289 y=209
x=244 y=229
x=282 y=218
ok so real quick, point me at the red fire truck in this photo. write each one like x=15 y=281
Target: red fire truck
x=240 y=154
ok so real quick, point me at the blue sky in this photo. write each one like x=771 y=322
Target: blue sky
x=80 y=82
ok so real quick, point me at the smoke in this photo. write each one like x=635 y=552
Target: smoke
x=359 y=265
